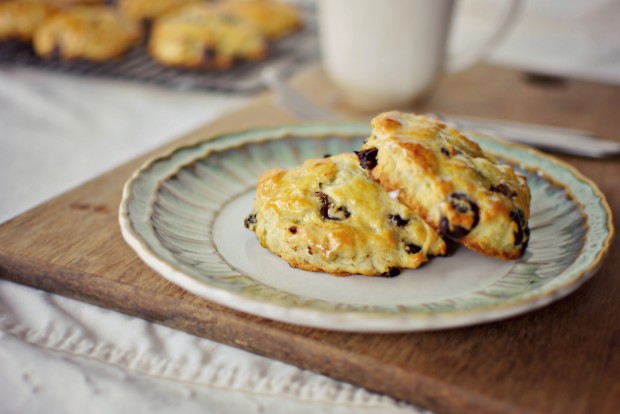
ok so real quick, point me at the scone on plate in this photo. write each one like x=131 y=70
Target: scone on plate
x=96 y=33
x=328 y=215
x=450 y=182
x=20 y=19
x=203 y=36
x=150 y=9
x=273 y=18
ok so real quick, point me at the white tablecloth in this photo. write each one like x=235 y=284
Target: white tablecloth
x=62 y=356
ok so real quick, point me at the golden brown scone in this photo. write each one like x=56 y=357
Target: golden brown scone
x=328 y=215
x=150 y=9
x=95 y=33
x=19 y=19
x=69 y=3
x=202 y=36
x=273 y=18
x=450 y=182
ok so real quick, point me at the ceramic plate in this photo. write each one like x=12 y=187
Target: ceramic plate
x=183 y=214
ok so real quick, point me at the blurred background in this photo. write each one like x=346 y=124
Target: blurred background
x=572 y=38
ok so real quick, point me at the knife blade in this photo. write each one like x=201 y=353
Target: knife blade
x=556 y=139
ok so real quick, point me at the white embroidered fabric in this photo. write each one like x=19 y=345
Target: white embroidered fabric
x=59 y=355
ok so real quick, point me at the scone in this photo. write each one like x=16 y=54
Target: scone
x=450 y=182
x=150 y=9
x=202 y=36
x=70 y=3
x=328 y=215
x=95 y=33
x=19 y=19
x=273 y=18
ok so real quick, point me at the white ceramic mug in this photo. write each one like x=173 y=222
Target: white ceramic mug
x=383 y=54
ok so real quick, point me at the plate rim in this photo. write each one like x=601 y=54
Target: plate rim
x=350 y=320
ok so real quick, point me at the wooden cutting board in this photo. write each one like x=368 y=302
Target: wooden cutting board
x=563 y=358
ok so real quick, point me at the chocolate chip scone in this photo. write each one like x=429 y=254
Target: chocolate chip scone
x=96 y=33
x=273 y=18
x=328 y=215
x=20 y=19
x=203 y=36
x=450 y=182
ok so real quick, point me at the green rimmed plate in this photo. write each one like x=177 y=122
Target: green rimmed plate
x=183 y=215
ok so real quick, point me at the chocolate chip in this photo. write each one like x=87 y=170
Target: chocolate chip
x=522 y=233
x=292 y=229
x=398 y=220
x=412 y=248
x=457 y=232
x=324 y=210
x=368 y=158
x=527 y=240
x=327 y=155
x=504 y=189
x=451 y=247
x=208 y=54
x=250 y=221
x=445 y=152
x=327 y=205
x=345 y=211
x=463 y=205
x=392 y=271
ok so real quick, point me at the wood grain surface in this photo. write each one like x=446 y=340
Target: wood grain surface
x=564 y=358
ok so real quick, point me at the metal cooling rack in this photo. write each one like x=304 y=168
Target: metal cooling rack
x=290 y=54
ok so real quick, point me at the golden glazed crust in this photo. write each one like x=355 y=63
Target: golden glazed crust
x=150 y=9
x=203 y=36
x=273 y=18
x=19 y=19
x=450 y=182
x=95 y=33
x=329 y=215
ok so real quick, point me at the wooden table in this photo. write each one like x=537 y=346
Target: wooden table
x=563 y=358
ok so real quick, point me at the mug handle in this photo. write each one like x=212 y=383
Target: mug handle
x=461 y=61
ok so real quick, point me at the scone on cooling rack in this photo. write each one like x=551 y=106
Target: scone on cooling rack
x=20 y=19
x=203 y=36
x=273 y=18
x=328 y=215
x=150 y=9
x=69 y=3
x=450 y=182
x=95 y=33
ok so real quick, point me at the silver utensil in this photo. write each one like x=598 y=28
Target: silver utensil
x=561 y=140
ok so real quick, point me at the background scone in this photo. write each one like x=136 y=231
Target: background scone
x=150 y=9
x=273 y=18
x=329 y=215
x=20 y=19
x=95 y=33
x=203 y=36
x=450 y=182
